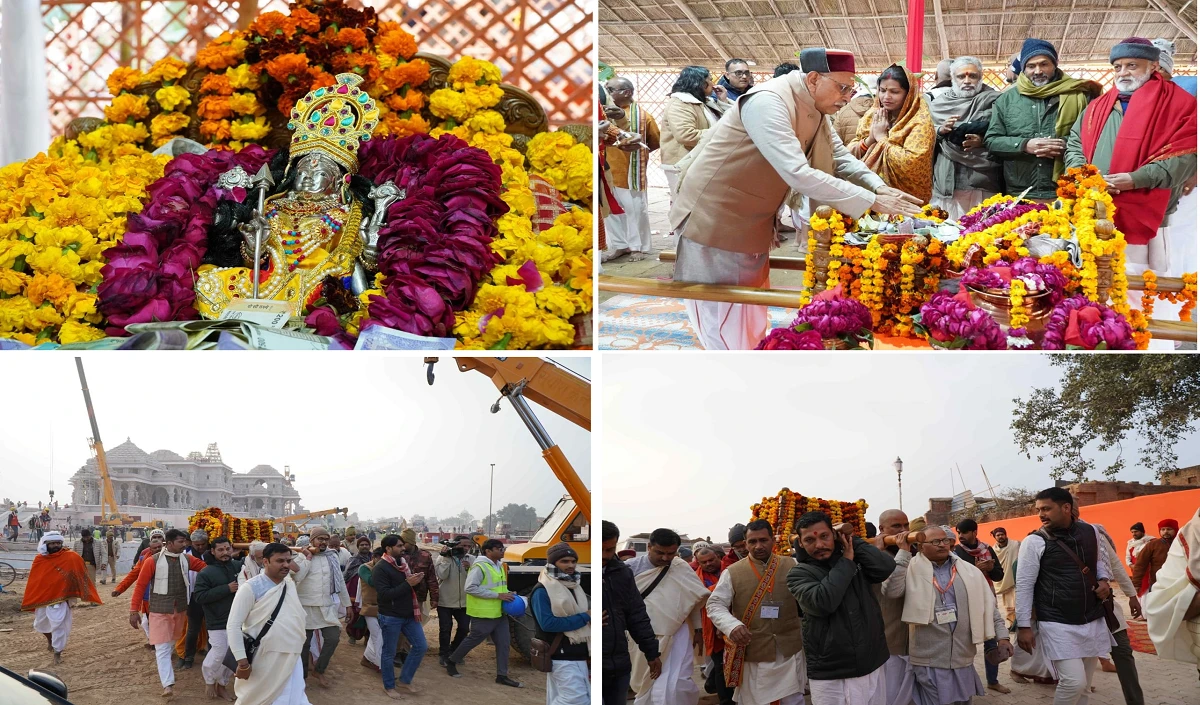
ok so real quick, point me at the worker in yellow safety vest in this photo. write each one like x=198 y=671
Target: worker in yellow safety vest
x=487 y=590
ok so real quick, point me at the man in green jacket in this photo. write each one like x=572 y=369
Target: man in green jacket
x=1153 y=121
x=215 y=587
x=1029 y=126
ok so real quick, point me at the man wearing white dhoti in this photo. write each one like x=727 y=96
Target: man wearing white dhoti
x=752 y=607
x=897 y=672
x=1072 y=632
x=950 y=611
x=322 y=590
x=56 y=578
x=674 y=599
x=215 y=589
x=733 y=183
x=1172 y=607
x=630 y=232
x=843 y=625
x=275 y=677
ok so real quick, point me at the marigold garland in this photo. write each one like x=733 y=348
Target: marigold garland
x=783 y=509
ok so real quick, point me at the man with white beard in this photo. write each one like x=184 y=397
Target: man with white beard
x=1141 y=135
x=963 y=175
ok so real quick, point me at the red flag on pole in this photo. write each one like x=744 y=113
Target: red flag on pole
x=916 y=35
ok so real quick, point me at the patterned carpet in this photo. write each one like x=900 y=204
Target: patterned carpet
x=632 y=322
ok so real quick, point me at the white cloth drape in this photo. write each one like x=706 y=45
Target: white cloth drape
x=24 y=101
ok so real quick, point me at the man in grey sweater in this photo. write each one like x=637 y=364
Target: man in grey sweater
x=950 y=611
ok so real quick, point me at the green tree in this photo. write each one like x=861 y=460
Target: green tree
x=1109 y=399
x=521 y=517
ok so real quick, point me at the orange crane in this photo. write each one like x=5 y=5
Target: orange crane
x=520 y=380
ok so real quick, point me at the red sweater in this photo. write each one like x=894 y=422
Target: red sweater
x=146 y=574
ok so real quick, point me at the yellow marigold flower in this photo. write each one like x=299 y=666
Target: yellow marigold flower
x=13 y=313
x=548 y=149
x=558 y=300
x=164 y=126
x=168 y=69
x=11 y=250
x=54 y=261
x=489 y=121
x=123 y=79
x=448 y=105
x=469 y=71
x=173 y=97
x=246 y=104
x=12 y=281
x=251 y=131
x=76 y=332
x=479 y=97
x=242 y=77
x=127 y=107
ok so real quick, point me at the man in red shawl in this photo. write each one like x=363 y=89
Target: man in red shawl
x=56 y=578
x=709 y=569
x=1141 y=135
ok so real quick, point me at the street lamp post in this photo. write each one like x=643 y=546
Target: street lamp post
x=899 y=465
x=491 y=520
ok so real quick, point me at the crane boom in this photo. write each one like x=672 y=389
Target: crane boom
x=109 y=512
x=550 y=385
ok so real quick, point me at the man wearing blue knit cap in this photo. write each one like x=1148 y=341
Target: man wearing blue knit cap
x=1030 y=124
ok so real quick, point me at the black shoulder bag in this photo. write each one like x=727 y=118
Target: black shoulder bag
x=251 y=644
x=662 y=573
x=1110 y=615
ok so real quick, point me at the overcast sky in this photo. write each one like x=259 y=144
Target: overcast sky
x=691 y=441
x=364 y=432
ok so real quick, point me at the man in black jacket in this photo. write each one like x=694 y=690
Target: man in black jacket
x=844 y=639
x=215 y=586
x=399 y=613
x=624 y=611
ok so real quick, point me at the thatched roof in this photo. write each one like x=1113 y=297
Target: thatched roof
x=672 y=33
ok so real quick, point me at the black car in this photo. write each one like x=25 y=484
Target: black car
x=36 y=688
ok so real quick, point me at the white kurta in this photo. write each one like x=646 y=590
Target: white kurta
x=762 y=682
x=722 y=326
x=54 y=620
x=1058 y=641
x=1181 y=236
x=1165 y=605
x=321 y=609
x=630 y=231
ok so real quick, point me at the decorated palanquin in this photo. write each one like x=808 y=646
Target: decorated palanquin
x=784 y=508
x=215 y=522
x=1009 y=274
x=400 y=192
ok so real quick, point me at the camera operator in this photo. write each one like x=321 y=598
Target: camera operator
x=451 y=566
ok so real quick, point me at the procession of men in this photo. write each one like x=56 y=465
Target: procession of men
x=270 y=616
x=902 y=618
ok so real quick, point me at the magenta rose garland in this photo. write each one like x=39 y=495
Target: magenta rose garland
x=435 y=247
x=1079 y=324
x=150 y=276
x=996 y=214
x=789 y=339
x=952 y=322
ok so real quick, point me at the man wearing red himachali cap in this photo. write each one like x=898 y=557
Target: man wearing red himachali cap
x=1152 y=557
x=777 y=137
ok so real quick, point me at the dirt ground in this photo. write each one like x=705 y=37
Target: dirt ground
x=106 y=662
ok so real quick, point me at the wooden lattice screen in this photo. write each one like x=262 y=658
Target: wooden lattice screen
x=543 y=46
x=652 y=88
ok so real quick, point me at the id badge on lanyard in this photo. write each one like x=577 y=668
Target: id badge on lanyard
x=768 y=610
x=946 y=615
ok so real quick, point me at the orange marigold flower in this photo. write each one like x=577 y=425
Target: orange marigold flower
x=351 y=37
x=306 y=21
x=221 y=53
x=214 y=107
x=216 y=130
x=123 y=79
x=397 y=126
x=414 y=73
x=398 y=43
x=273 y=24
x=320 y=78
x=288 y=68
x=365 y=65
x=415 y=100
x=216 y=84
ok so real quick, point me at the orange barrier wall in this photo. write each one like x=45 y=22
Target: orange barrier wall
x=1116 y=517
